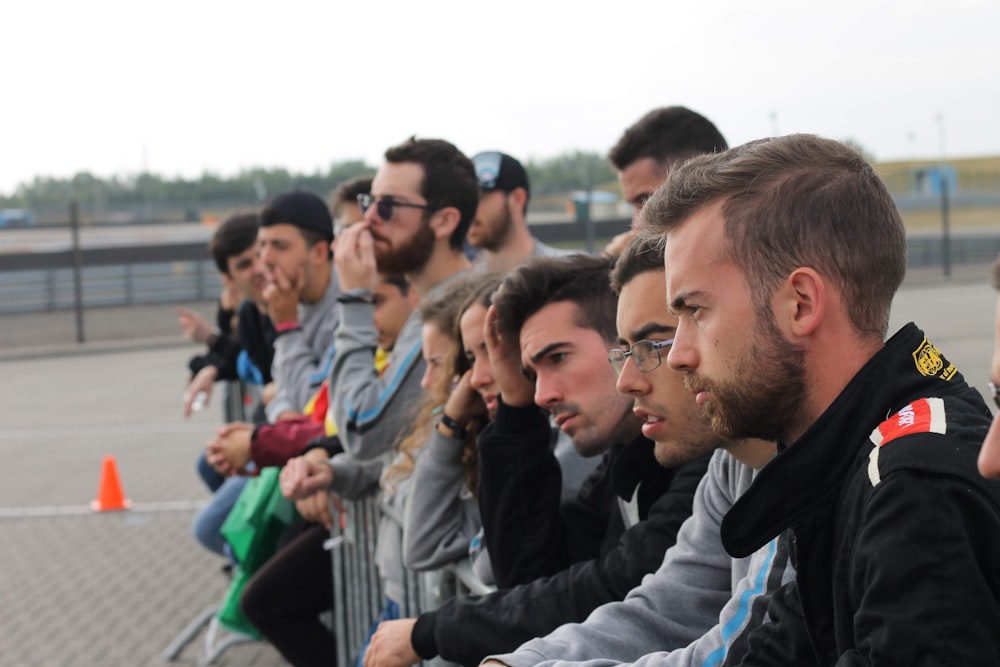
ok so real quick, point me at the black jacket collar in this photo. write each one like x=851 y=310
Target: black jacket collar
x=812 y=472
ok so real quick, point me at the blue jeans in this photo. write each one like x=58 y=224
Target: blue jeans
x=208 y=522
x=390 y=612
x=213 y=478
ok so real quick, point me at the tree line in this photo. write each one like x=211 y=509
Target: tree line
x=572 y=170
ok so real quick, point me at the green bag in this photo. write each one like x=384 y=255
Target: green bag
x=252 y=529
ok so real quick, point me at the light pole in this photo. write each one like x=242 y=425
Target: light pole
x=943 y=183
x=941 y=135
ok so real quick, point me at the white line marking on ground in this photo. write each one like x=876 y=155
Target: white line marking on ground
x=102 y=430
x=80 y=510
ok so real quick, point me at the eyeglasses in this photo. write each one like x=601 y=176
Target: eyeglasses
x=487 y=168
x=384 y=207
x=994 y=392
x=645 y=355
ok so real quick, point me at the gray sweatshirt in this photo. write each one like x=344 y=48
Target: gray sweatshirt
x=369 y=410
x=302 y=358
x=441 y=515
x=663 y=622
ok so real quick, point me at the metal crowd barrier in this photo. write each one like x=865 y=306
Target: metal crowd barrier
x=238 y=400
x=357 y=590
x=358 y=598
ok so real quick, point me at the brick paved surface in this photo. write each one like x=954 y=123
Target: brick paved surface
x=114 y=589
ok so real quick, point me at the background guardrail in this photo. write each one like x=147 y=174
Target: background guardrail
x=175 y=273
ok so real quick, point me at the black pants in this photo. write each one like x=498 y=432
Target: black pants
x=285 y=597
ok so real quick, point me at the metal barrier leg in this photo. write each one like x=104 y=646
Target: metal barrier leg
x=215 y=647
x=188 y=634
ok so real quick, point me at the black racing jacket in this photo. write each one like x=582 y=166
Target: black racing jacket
x=895 y=535
x=585 y=545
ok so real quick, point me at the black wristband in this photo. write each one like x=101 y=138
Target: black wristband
x=458 y=432
x=357 y=296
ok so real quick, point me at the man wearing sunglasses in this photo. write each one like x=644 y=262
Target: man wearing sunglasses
x=500 y=229
x=422 y=201
x=650 y=148
x=555 y=319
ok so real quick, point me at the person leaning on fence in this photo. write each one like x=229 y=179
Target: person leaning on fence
x=294 y=240
x=273 y=444
x=782 y=260
x=284 y=598
x=234 y=250
x=440 y=463
x=650 y=148
x=349 y=478
x=442 y=512
x=422 y=201
x=293 y=243
x=555 y=318
x=697 y=578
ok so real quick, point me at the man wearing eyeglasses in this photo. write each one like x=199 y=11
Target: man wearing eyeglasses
x=554 y=318
x=650 y=148
x=500 y=229
x=657 y=619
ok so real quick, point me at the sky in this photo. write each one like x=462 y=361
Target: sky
x=179 y=88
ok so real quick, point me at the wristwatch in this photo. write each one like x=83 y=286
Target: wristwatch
x=457 y=430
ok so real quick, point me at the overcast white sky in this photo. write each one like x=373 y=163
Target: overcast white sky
x=180 y=87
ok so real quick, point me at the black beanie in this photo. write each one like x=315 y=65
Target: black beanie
x=300 y=208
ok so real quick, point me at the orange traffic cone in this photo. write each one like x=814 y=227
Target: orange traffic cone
x=110 y=495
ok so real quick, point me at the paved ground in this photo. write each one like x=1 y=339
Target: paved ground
x=78 y=588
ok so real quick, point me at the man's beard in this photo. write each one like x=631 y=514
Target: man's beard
x=763 y=398
x=496 y=231
x=411 y=256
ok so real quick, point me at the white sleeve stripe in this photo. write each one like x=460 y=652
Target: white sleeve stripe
x=939 y=422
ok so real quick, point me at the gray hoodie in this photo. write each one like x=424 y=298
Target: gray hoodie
x=302 y=357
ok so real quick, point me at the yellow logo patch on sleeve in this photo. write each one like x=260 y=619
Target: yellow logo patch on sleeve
x=930 y=362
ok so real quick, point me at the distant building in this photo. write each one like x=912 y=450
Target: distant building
x=929 y=180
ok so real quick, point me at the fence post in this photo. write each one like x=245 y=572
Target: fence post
x=945 y=227
x=74 y=221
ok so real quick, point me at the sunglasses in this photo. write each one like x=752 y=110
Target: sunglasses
x=994 y=392
x=384 y=207
x=645 y=355
x=487 y=168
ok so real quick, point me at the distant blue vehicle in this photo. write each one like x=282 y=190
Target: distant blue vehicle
x=17 y=217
